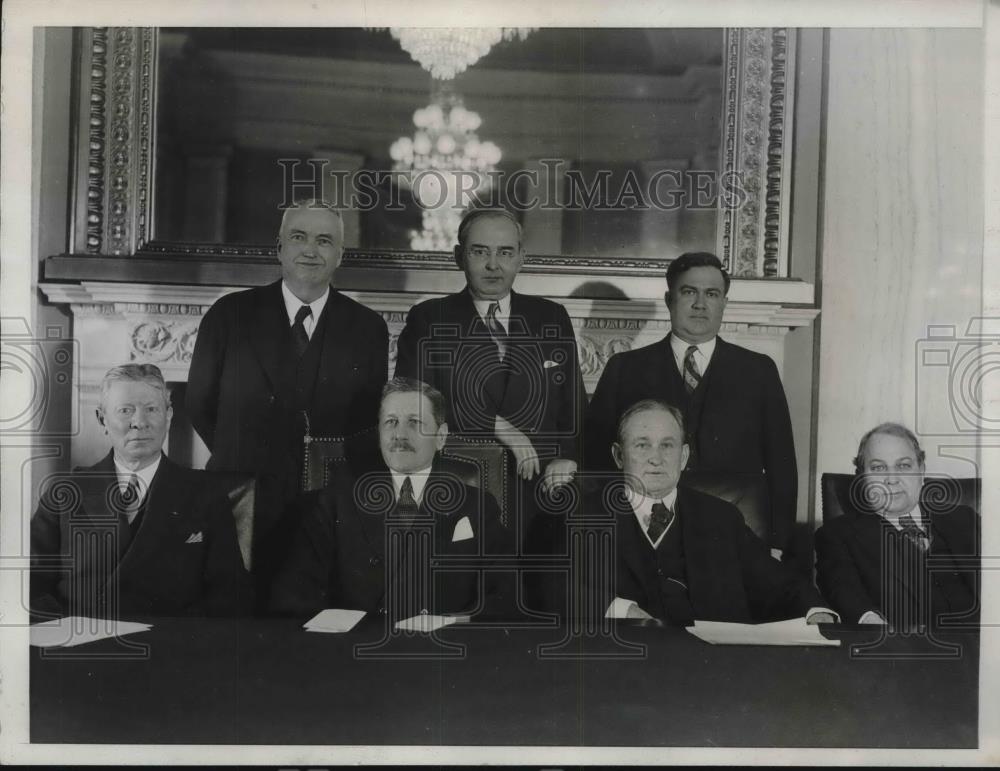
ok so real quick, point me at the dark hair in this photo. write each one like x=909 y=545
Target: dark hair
x=648 y=404
x=891 y=429
x=689 y=260
x=406 y=385
x=487 y=211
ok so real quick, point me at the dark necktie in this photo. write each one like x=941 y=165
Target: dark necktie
x=406 y=506
x=692 y=377
x=912 y=532
x=130 y=498
x=299 y=336
x=497 y=332
x=659 y=521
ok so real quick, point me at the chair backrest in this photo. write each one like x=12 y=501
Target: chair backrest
x=322 y=454
x=481 y=463
x=746 y=491
x=241 y=491
x=840 y=493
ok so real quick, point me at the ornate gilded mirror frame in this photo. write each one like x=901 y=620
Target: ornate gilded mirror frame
x=115 y=148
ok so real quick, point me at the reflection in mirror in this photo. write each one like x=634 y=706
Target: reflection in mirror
x=606 y=140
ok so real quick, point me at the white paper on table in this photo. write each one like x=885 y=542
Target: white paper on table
x=428 y=623
x=334 y=620
x=77 y=630
x=794 y=631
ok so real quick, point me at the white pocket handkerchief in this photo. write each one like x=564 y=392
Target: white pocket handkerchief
x=463 y=530
x=549 y=364
x=195 y=538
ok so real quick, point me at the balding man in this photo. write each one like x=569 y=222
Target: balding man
x=272 y=360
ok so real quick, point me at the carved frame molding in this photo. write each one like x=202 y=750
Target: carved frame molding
x=115 y=148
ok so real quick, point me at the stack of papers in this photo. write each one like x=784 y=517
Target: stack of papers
x=795 y=631
x=334 y=621
x=77 y=630
x=428 y=623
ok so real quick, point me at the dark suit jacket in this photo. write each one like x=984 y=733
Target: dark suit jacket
x=850 y=566
x=538 y=388
x=161 y=572
x=731 y=575
x=737 y=420
x=240 y=362
x=338 y=557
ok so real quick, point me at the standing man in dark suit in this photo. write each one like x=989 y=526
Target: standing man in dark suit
x=506 y=363
x=683 y=555
x=355 y=548
x=733 y=403
x=274 y=362
x=899 y=556
x=136 y=535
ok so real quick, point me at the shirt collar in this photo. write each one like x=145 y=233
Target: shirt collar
x=145 y=475
x=293 y=303
x=417 y=478
x=642 y=506
x=914 y=514
x=503 y=315
x=703 y=356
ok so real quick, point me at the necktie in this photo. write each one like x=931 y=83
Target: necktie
x=659 y=521
x=130 y=498
x=692 y=377
x=497 y=332
x=299 y=336
x=406 y=506
x=912 y=532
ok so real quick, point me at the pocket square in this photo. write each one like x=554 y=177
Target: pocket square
x=195 y=538
x=463 y=530
x=549 y=364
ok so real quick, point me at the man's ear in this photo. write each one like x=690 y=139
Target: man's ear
x=616 y=453
x=666 y=298
x=442 y=436
x=99 y=412
x=685 y=454
x=458 y=257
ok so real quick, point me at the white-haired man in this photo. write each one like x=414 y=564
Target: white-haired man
x=136 y=534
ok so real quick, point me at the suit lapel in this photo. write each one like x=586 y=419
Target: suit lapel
x=663 y=369
x=266 y=332
x=628 y=536
x=336 y=354
x=493 y=378
x=165 y=501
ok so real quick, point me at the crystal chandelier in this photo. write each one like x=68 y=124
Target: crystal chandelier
x=446 y=166
x=447 y=51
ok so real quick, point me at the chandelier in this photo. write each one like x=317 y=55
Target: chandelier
x=446 y=166
x=447 y=51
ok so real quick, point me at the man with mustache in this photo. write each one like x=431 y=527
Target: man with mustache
x=367 y=543
x=136 y=535
x=274 y=361
x=733 y=403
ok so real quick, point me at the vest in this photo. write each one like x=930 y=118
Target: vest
x=663 y=568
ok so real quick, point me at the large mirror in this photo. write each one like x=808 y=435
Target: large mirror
x=619 y=148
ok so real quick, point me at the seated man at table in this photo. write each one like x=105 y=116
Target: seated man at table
x=872 y=562
x=353 y=548
x=683 y=555
x=136 y=534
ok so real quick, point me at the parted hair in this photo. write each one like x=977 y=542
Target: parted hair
x=474 y=215
x=141 y=373
x=402 y=385
x=689 y=260
x=891 y=429
x=648 y=404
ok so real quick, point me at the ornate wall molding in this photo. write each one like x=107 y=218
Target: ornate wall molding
x=115 y=115
x=757 y=115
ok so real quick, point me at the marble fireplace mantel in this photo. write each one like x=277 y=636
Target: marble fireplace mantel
x=117 y=322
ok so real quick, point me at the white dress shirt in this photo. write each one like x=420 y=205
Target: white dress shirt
x=144 y=476
x=503 y=313
x=293 y=303
x=702 y=357
x=418 y=479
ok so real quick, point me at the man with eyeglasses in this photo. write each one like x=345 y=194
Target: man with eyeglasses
x=506 y=363
x=899 y=555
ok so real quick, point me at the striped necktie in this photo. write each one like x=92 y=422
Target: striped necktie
x=497 y=332
x=692 y=377
x=912 y=532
